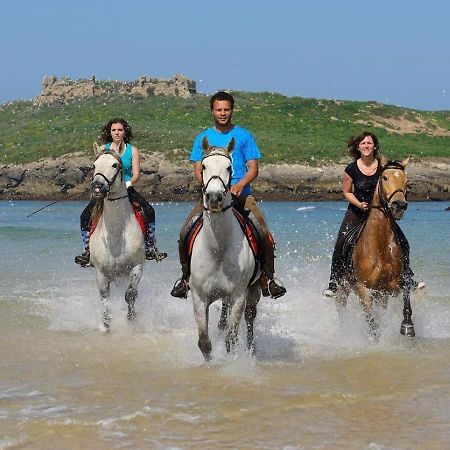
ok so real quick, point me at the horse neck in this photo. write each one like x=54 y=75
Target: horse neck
x=379 y=220
x=219 y=228
x=116 y=213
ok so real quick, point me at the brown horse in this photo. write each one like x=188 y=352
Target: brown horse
x=377 y=260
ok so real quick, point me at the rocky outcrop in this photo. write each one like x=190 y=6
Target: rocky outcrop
x=65 y=89
x=163 y=180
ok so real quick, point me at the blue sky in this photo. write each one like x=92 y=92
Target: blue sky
x=391 y=51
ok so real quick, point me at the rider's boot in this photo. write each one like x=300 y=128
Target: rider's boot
x=84 y=259
x=269 y=287
x=331 y=291
x=151 y=252
x=181 y=287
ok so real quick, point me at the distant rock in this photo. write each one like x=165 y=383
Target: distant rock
x=66 y=89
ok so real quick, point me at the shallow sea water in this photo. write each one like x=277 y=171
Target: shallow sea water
x=313 y=383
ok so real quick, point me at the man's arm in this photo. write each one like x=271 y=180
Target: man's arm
x=252 y=173
x=198 y=171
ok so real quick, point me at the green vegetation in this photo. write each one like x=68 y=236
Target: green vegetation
x=287 y=129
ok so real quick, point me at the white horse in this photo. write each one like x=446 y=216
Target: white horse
x=222 y=263
x=117 y=243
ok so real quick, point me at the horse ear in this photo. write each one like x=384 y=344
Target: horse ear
x=230 y=146
x=97 y=149
x=405 y=162
x=383 y=160
x=205 y=144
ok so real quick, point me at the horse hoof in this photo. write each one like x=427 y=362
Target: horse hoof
x=104 y=328
x=407 y=329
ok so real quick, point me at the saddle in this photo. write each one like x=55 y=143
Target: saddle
x=250 y=230
x=254 y=235
x=352 y=237
x=138 y=213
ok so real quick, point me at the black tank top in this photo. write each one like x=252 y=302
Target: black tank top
x=363 y=185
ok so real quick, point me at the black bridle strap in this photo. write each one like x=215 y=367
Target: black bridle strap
x=216 y=177
x=111 y=182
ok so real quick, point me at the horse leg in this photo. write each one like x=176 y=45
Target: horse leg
x=237 y=308
x=367 y=305
x=131 y=292
x=381 y=298
x=103 y=286
x=250 y=312
x=341 y=301
x=201 y=313
x=407 y=326
x=224 y=313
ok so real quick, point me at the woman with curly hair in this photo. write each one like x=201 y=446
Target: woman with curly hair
x=117 y=135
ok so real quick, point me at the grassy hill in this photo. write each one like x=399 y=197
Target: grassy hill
x=287 y=129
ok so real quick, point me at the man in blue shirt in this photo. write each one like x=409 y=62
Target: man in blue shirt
x=245 y=168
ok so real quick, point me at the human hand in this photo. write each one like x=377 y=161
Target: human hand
x=237 y=189
x=364 y=206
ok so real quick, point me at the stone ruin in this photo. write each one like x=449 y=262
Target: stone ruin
x=66 y=90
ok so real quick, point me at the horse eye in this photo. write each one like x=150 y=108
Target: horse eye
x=115 y=165
x=203 y=167
x=385 y=177
x=229 y=169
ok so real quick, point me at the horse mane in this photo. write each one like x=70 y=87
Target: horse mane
x=393 y=164
x=97 y=211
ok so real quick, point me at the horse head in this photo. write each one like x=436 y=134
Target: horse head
x=216 y=176
x=392 y=186
x=107 y=167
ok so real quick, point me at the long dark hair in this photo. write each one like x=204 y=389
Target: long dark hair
x=354 y=142
x=105 y=136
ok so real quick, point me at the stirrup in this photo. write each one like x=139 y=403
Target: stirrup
x=153 y=253
x=277 y=290
x=180 y=289
x=418 y=286
x=84 y=260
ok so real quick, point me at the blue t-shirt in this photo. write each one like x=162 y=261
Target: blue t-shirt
x=127 y=160
x=245 y=149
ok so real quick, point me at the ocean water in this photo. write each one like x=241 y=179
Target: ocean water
x=314 y=382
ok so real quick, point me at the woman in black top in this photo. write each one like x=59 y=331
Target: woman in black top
x=358 y=185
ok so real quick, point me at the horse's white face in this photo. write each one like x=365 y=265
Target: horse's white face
x=216 y=174
x=394 y=185
x=107 y=169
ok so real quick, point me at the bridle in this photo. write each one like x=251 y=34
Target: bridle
x=397 y=165
x=108 y=181
x=215 y=151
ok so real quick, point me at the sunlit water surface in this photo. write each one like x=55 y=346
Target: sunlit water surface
x=313 y=383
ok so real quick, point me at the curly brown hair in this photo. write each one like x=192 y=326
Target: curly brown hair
x=354 y=142
x=105 y=135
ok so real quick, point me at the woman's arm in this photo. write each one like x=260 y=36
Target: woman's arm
x=135 y=165
x=347 y=189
